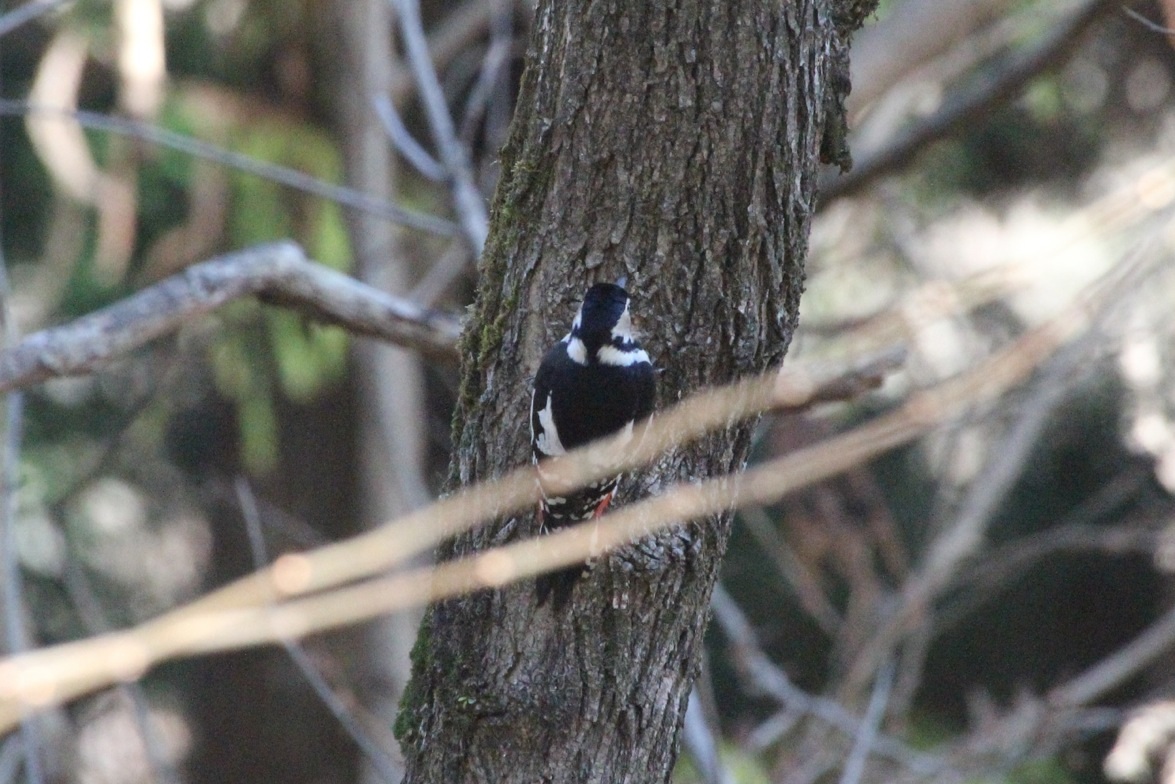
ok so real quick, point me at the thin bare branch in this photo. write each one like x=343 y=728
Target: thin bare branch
x=1154 y=27
x=381 y=763
x=278 y=273
x=459 y=31
x=867 y=731
x=981 y=580
x=970 y=104
x=16 y=635
x=772 y=681
x=467 y=200
x=962 y=536
x=1114 y=670
x=405 y=142
x=795 y=573
x=282 y=175
x=27 y=13
x=492 y=67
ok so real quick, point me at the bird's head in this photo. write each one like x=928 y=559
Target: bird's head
x=603 y=318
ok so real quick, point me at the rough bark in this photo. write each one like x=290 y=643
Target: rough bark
x=677 y=145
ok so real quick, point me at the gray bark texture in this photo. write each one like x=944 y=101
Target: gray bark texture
x=677 y=143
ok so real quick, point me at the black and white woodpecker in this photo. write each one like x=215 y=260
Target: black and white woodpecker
x=595 y=382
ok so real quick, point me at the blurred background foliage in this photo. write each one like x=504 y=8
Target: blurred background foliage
x=130 y=499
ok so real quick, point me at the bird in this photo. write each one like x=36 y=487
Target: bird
x=595 y=382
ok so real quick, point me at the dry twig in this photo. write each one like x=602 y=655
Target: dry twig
x=467 y=200
x=766 y=677
x=971 y=104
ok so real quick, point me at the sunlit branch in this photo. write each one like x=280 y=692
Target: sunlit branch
x=244 y=613
x=278 y=273
x=77 y=668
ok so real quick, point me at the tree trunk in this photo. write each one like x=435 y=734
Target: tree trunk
x=678 y=146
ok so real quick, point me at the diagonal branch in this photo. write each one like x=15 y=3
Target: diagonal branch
x=277 y=273
x=1119 y=667
x=970 y=105
x=244 y=613
x=765 y=676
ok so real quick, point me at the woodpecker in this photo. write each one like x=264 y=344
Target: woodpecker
x=595 y=382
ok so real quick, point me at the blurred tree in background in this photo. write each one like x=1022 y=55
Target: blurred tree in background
x=991 y=602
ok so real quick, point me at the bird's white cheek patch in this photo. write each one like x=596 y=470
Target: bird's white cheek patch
x=616 y=357
x=623 y=328
x=548 y=437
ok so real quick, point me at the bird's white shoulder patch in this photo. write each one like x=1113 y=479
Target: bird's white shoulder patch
x=623 y=328
x=619 y=357
x=577 y=351
x=530 y=419
x=547 y=439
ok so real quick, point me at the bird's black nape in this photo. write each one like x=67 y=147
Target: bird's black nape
x=606 y=292
x=603 y=305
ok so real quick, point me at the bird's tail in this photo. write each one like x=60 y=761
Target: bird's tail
x=561 y=583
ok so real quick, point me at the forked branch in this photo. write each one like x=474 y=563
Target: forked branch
x=278 y=273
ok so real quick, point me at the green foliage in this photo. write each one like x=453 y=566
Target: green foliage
x=1044 y=771
x=306 y=358
x=744 y=768
x=405 y=727
x=26 y=196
